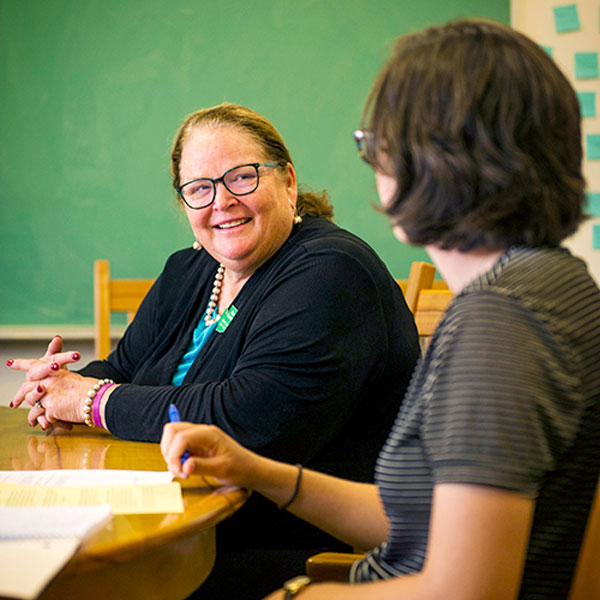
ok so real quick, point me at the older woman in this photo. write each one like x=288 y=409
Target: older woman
x=485 y=482
x=279 y=327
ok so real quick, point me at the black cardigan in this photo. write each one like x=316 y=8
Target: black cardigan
x=311 y=370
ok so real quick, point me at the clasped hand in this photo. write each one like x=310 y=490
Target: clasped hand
x=55 y=394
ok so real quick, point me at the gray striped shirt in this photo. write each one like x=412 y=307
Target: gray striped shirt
x=507 y=395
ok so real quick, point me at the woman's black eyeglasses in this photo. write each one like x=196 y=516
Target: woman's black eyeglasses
x=240 y=181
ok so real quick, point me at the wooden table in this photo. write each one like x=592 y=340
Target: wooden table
x=160 y=556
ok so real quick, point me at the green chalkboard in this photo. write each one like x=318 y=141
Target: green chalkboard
x=92 y=91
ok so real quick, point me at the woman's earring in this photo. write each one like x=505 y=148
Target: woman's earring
x=197 y=245
x=297 y=219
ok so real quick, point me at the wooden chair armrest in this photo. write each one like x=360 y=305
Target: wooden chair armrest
x=330 y=566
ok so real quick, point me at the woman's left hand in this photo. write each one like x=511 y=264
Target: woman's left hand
x=59 y=397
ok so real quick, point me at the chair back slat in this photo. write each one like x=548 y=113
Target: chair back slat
x=113 y=295
x=420 y=277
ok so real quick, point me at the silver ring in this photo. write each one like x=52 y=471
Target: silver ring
x=39 y=404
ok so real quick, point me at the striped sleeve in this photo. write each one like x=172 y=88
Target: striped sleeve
x=500 y=407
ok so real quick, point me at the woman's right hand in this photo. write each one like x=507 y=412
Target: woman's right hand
x=212 y=452
x=38 y=370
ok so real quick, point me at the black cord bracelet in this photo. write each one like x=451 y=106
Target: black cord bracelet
x=296 y=489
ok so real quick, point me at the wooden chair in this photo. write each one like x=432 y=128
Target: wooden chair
x=335 y=566
x=429 y=308
x=421 y=277
x=113 y=295
x=426 y=297
x=331 y=566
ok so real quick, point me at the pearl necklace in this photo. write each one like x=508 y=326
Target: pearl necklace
x=209 y=319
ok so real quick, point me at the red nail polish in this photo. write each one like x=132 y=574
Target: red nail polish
x=40 y=389
x=11 y=404
x=75 y=356
x=54 y=366
x=10 y=362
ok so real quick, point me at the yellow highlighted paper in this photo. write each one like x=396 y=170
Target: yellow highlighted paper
x=123 y=499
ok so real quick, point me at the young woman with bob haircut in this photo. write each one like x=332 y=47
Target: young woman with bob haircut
x=484 y=485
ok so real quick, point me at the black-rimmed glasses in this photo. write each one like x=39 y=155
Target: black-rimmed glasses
x=365 y=144
x=240 y=181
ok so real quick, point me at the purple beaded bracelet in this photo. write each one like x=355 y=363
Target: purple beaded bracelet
x=91 y=409
x=96 y=407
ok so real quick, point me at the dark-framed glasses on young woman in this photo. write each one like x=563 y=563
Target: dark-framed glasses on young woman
x=240 y=181
x=365 y=144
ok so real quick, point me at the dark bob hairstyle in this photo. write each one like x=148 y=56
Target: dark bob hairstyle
x=481 y=132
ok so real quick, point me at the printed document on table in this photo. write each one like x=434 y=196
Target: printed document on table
x=86 y=477
x=123 y=499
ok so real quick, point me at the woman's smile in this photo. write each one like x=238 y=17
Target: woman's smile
x=236 y=223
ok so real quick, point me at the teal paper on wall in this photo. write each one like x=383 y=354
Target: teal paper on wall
x=549 y=50
x=596 y=237
x=593 y=146
x=593 y=203
x=586 y=65
x=587 y=101
x=566 y=18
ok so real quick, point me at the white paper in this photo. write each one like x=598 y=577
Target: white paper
x=66 y=477
x=35 y=544
x=20 y=522
x=27 y=566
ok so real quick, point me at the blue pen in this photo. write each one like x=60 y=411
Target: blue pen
x=175 y=418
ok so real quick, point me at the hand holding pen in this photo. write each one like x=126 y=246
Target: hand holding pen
x=211 y=453
x=174 y=417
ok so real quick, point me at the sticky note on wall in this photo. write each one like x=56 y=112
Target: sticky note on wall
x=587 y=102
x=586 y=65
x=549 y=50
x=593 y=146
x=596 y=237
x=566 y=18
x=593 y=203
